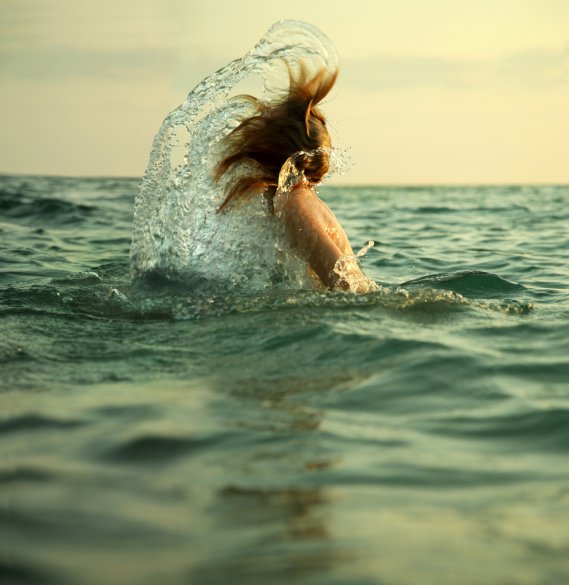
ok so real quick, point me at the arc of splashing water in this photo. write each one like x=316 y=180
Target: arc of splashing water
x=287 y=40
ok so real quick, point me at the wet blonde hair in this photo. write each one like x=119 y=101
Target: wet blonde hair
x=278 y=130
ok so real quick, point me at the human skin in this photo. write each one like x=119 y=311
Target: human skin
x=318 y=237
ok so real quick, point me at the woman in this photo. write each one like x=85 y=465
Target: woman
x=288 y=147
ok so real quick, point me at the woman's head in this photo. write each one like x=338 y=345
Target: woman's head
x=278 y=130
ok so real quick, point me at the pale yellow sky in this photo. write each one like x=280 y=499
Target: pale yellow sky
x=430 y=91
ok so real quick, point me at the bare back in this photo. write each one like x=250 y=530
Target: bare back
x=319 y=238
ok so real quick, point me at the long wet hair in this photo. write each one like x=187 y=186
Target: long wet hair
x=275 y=132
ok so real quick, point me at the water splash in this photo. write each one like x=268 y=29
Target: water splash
x=177 y=231
x=290 y=173
x=365 y=249
x=348 y=270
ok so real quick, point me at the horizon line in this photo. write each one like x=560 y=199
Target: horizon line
x=325 y=184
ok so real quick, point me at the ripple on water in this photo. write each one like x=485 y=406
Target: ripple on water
x=158 y=449
x=35 y=422
x=538 y=429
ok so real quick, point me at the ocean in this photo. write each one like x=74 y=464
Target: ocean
x=418 y=434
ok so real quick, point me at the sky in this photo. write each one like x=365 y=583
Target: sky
x=429 y=92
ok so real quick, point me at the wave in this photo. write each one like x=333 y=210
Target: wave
x=474 y=283
x=105 y=295
x=161 y=448
x=423 y=476
x=152 y=448
x=26 y=474
x=22 y=572
x=44 y=210
x=539 y=429
x=31 y=422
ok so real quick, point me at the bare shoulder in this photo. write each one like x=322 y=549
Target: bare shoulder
x=304 y=200
x=301 y=215
x=301 y=197
x=303 y=209
x=331 y=225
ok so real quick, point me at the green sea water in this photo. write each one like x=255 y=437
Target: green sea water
x=176 y=434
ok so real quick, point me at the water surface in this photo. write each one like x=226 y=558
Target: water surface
x=417 y=435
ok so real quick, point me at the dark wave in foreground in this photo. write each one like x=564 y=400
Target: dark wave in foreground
x=470 y=283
